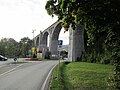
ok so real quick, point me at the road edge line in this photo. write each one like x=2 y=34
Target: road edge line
x=45 y=85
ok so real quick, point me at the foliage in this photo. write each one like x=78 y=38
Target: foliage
x=64 y=54
x=116 y=78
x=57 y=82
x=104 y=58
x=97 y=16
x=24 y=46
x=10 y=48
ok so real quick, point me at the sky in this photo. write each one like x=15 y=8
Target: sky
x=19 y=17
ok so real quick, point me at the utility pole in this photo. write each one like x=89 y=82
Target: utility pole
x=33 y=37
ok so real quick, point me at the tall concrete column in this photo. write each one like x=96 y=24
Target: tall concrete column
x=76 y=43
x=70 y=44
x=53 y=49
x=40 y=41
x=43 y=42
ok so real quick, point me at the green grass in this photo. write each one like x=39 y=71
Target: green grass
x=18 y=62
x=57 y=83
x=81 y=76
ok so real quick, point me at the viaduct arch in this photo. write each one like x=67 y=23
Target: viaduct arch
x=76 y=41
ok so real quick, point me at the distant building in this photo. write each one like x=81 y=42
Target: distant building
x=63 y=47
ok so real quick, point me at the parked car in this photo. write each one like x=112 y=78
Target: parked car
x=2 y=58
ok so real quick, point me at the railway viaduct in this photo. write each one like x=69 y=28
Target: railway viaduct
x=76 y=41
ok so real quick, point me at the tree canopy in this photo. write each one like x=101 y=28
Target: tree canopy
x=99 y=12
x=10 y=48
x=96 y=15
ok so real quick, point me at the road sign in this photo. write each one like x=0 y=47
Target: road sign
x=60 y=42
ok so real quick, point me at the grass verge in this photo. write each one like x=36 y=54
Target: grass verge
x=81 y=76
x=18 y=62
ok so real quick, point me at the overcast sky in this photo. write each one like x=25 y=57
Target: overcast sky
x=19 y=17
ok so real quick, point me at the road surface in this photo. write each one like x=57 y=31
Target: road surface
x=11 y=60
x=25 y=76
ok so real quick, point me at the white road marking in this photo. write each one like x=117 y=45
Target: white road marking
x=10 y=70
x=48 y=78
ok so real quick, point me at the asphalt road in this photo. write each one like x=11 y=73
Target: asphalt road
x=11 y=60
x=25 y=76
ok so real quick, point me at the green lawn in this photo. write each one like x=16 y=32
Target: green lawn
x=81 y=76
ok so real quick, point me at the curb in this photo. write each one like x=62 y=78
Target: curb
x=46 y=83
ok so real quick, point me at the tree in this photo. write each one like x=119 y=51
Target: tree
x=95 y=15
x=12 y=47
x=24 y=46
x=101 y=19
x=2 y=46
x=8 y=47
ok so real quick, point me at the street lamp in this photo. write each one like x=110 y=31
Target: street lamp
x=33 y=37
